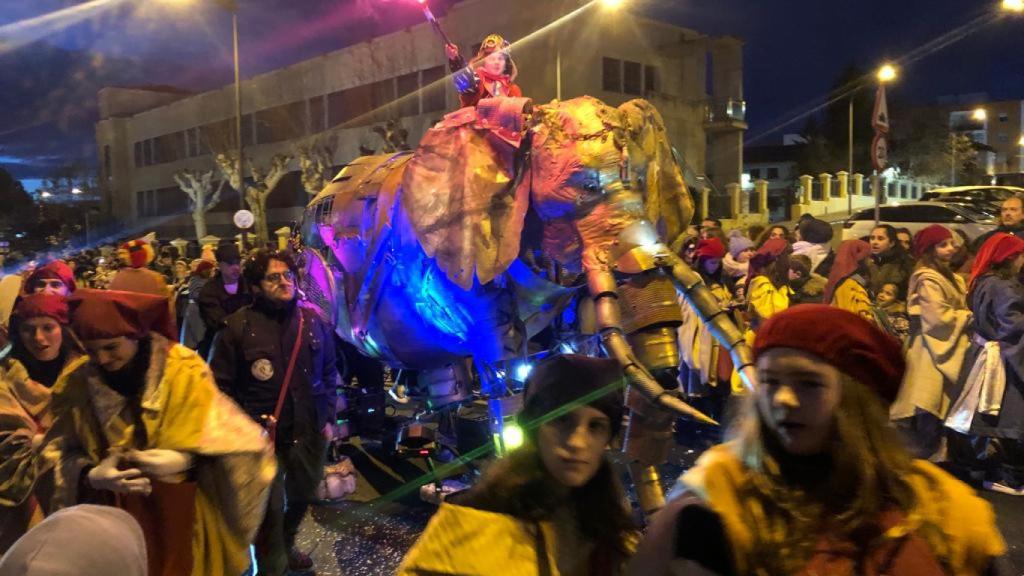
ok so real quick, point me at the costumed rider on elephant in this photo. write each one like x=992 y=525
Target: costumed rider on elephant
x=490 y=74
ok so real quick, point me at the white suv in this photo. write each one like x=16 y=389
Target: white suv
x=917 y=215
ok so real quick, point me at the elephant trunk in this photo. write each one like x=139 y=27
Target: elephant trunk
x=604 y=291
x=722 y=328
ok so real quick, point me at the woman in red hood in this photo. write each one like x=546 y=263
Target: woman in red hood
x=494 y=69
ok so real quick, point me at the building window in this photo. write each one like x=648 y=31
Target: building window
x=650 y=79
x=145 y=204
x=1003 y=137
x=138 y=154
x=317 y=115
x=611 y=77
x=147 y=152
x=1003 y=117
x=632 y=78
x=171 y=201
x=345 y=106
x=773 y=174
x=755 y=173
x=434 y=87
x=280 y=123
x=408 y=95
x=106 y=162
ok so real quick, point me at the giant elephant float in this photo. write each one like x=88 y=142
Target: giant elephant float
x=426 y=258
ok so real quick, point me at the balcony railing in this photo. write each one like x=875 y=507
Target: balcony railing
x=718 y=110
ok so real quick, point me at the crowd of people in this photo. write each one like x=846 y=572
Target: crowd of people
x=197 y=397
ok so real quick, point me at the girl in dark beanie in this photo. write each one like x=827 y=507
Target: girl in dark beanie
x=813 y=480
x=553 y=506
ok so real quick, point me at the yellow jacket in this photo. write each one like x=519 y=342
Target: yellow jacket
x=181 y=409
x=764 y=300
x=968 y=542
x=850 y=295
x=465 y=541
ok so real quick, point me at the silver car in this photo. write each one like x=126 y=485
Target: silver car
x=917 y=215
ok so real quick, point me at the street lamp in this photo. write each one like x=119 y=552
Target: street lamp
x=1016 y=6
x=45 y=194
x=885 y=74
x=616 y=4
x=979 y=114
x=76 y=191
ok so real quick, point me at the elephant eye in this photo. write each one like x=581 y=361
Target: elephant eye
x=592 y=187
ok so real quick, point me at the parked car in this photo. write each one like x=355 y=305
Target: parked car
x=993 y=195
x=917 y=215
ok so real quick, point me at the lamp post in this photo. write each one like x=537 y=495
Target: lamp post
x=886 y=73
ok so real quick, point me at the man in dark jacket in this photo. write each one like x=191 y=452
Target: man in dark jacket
x=249 y=359
x=224 y=294
x=1011 y=221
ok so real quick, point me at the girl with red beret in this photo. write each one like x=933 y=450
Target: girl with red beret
x=705 y=372
x=940 y=325
x=813 y=480
x=41 y=348
x=991 y=407
x=848 y=279
x=140 y=424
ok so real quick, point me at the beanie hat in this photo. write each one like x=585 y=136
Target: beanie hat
x=102 y=314
x=843 y=339
x=563 y=380
x=228 y=253
x=928 y=237
x=54 y=270
x=136 y=253
x=815 y=231
x=738 y=243
x=38 y=305
x=709 y=248
x=83 y=540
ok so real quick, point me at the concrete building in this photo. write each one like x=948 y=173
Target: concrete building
x=147 y=135
x=776 y=164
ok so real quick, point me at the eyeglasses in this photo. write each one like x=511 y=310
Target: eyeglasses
x=276 y=277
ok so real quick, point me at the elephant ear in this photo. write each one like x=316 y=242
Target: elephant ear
x=459 y=190
x=667 y=200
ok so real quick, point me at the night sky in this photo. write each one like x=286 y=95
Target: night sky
x=794 y=51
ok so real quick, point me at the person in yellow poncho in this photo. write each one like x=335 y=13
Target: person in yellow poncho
x=141 y=425
x=814 y=480
x=552 y=507
x=847 y=282
x=41 y=348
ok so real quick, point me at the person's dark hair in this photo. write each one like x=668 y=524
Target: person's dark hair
x=767 y=232
x=256 y=265
x=69 y=342
x=800 y=263
x=718 y=233
x=890 y=232
x=519 y=485
x=755 y=232
x=715 y=221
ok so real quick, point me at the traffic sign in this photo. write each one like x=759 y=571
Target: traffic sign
x=244 y=219
x=880 y=152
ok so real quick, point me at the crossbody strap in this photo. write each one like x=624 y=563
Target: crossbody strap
x=287 y=377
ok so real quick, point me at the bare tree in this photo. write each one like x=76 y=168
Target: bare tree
x=199 y=187
x=316 y=160
x=220 y=138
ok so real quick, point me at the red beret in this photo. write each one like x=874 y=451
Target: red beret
x=843 y=339
x=52 y=270
x=37 y=305
x=102 y=314
x=710 y=248
x=928 y=237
